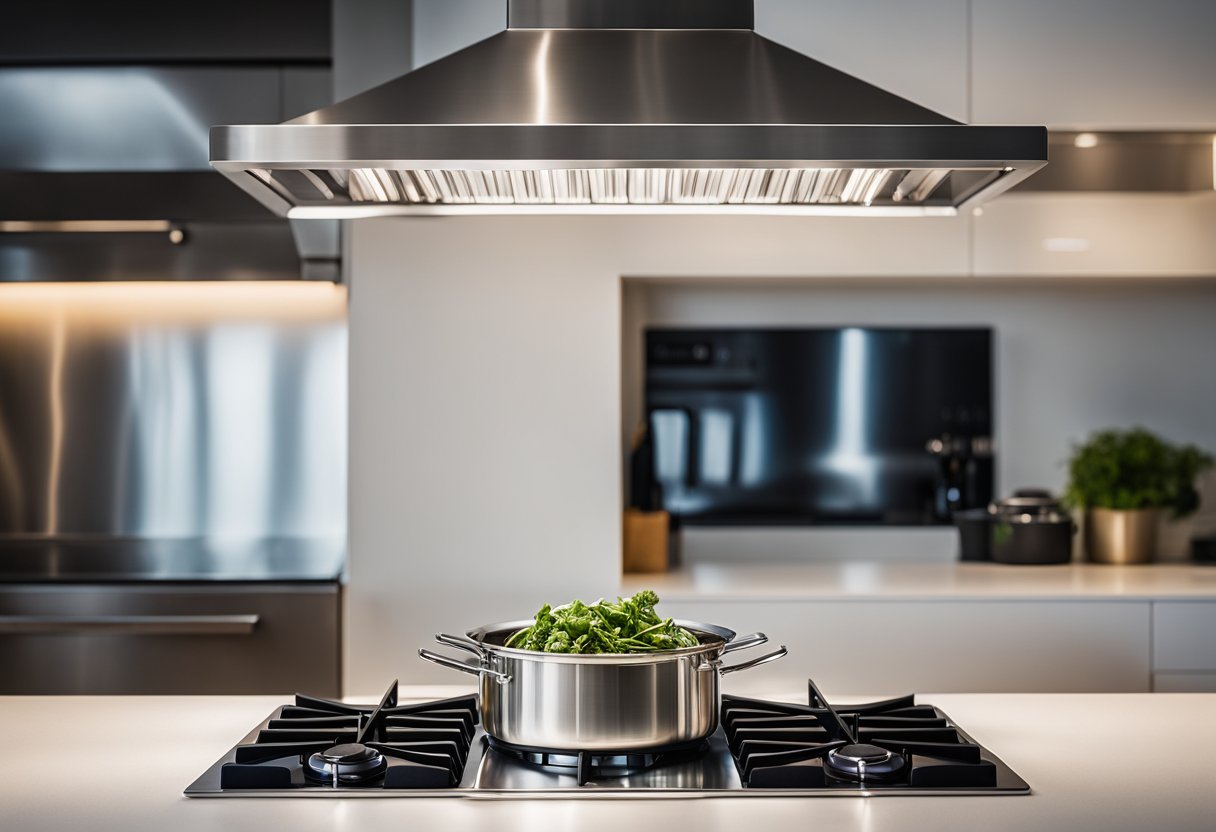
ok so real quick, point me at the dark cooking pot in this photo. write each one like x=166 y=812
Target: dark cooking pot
x=1031 y=527
x=974 y=533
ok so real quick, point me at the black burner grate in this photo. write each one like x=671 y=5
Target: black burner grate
x=388 y=746
x=778 y=745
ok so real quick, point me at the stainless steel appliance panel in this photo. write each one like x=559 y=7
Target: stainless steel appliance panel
x=846 y=426
x=173 y=410
x=126 y=118
x=108 y=559
x=169 y=639
x=200 y=33
x=207 y=251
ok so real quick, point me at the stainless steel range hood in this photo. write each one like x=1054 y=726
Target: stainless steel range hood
x=625 y=106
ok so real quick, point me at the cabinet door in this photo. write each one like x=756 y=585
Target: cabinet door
x=886 y=648
x=169 y=639
x=1097 y=235
x=1184 y=683
x=1118 y=64
x=1184 y=636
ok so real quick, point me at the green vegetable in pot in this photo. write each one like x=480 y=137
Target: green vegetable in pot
x=626 y=625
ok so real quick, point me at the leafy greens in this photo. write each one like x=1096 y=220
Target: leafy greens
x=627 y=625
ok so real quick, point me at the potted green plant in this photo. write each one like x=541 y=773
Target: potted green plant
x=1124 y=479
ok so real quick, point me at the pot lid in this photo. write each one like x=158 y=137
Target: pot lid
x=1031 y=506
x=625 y=106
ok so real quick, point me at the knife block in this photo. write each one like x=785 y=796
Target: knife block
x=647 y=541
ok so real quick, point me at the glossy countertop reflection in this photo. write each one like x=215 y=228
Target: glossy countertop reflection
x=892 y=580
x=153 y=747
x=96 y=559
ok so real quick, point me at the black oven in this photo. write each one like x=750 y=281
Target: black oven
x=843 y=426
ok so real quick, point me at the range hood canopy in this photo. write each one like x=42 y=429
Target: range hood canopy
x=625 y=106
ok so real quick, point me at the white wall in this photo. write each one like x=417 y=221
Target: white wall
x=484 y=418
x=486 y=388
x=486 y=401
x=372 y=42
x=444 y=26
x=916 y=50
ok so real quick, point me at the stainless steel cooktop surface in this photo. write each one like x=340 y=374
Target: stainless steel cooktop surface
x=322 y=748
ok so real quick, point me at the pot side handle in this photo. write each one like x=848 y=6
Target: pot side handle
x=743 y=642
x=461 y=643
x=473 y=668
x=756 y=662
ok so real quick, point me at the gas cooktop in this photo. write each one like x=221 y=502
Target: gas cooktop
x=318 y=747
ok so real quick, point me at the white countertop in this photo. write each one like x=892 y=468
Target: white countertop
x=885 y=580
x=1106 y=762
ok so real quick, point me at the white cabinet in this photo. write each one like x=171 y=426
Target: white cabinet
x=893 y=647
x=776 y=247
x=1184 y=683
x=915 y=50
x=1184 y=636
x=1184 y=646
x=1097 y=235
x=1116 y=64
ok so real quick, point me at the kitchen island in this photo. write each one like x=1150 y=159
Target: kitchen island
x=868 y=580
x=1071 y=628
x=1105 y=762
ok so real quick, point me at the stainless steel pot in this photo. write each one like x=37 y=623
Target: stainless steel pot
x=599 y=702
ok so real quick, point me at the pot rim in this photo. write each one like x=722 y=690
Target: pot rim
x=718 y=636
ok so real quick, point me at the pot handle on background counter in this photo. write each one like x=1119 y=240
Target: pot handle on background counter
x=759 y=660
x=743 y=642
x=473 y=668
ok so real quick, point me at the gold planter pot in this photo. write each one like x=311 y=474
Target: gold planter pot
x=1121 y=535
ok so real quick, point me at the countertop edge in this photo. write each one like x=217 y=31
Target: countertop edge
x=928 y=582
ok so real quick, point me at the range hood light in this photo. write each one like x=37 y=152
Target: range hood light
x=440 y=210
x=1085 y=140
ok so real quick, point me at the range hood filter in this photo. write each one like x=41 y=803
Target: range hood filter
x=583 y=187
